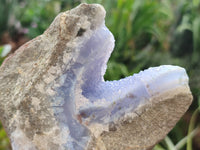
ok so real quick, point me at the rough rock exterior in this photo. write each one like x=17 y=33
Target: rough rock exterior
x=53 y=95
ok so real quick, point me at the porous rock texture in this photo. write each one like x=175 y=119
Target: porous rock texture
x=53 y=95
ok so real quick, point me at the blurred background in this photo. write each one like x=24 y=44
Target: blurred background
x=147 y=33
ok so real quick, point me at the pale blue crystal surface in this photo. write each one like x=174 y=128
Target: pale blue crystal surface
x=86 y=73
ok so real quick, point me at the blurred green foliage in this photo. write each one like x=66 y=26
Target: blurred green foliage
x=1 y=59
x=147 y=33
x=5 y=11
x=4 y=141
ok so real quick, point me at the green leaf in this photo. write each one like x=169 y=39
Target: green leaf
x=158 y=147
x=191 y=128
x=1 y=50
x=196 y=38
x=196 y=3
x=183 y=141
x=169 y=143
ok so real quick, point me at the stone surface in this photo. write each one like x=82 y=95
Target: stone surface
x=53 y=95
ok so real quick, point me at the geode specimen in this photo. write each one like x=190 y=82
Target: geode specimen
x=53 y=95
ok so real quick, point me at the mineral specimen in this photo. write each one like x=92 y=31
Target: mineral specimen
x=53 y=95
